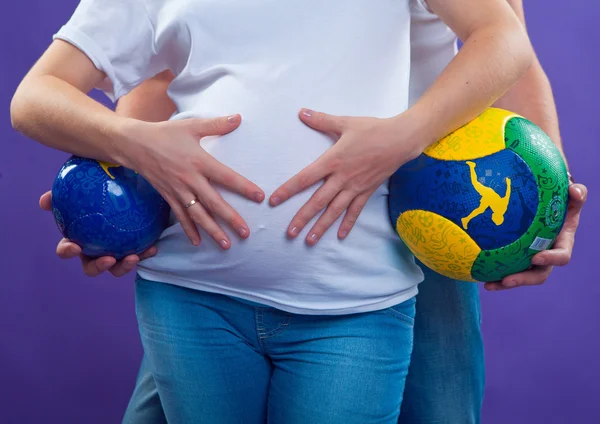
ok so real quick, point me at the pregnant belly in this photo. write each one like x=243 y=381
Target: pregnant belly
x=268 y=260
x=269 y=257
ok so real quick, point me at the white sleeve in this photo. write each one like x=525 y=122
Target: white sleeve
x=118 y=37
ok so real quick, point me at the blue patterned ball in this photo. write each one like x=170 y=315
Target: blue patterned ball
x=107 y=209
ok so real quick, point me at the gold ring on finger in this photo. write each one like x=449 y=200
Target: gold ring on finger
x=191 y=203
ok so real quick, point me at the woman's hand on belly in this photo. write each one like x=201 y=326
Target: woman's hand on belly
x=367 y=152
x=169 y=156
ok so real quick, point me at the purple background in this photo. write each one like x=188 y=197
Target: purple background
x=69 y=348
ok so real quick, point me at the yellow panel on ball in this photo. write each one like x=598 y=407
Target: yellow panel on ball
x=481 y=137
x=439 y=243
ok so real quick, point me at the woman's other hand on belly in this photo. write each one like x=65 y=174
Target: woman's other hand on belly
x=169 y=156
x=367 y=152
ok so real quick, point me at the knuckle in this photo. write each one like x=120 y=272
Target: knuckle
x=337 y=210
x=320 y=203
x=304 y=181
x=235 y=221
x=199 y=218
x=354 y=212
x=303 y=219
x=187 y=223
x=321 y=117
x=217 y=234
x=193 y=213
x=186 y=179
x=127 y=266
x=346 y=226
x=350 y=219
x=354 y=189
x=335 y=163
x=178 y=211
x=560 y=262
x=215 y=125
x=211 y=204
x=197 y=164
x=228 y=180
x=89 y=272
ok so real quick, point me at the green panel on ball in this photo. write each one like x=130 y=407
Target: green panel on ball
x=547 y=165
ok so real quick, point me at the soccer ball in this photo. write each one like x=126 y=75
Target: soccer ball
x=107 y=209
x=481 y=202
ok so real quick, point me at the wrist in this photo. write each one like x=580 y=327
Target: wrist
x=126 y=141
x=416 y=130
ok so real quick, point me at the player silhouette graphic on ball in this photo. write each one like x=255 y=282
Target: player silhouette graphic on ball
x=489 y=199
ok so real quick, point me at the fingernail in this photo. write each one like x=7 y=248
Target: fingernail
x=510 y=283
x=294 y=231
x=579 y=191
x=313 y=237
x=275 y=201
x=307 y=112
x=343 y=234
x=259 y=197
x=242 y=231
x=233 y=119
x=224 y=244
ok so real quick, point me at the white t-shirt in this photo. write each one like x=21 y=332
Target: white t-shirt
x=266 y=60
x=433 y=46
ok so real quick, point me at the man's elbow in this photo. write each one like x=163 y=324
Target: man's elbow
x=18 y=111
x=23 y=106
x=526 y=55
x=519 y=45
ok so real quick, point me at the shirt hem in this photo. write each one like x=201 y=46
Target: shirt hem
x=201 y=286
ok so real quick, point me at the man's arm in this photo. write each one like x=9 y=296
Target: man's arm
x=149 y=102
x=532 y=95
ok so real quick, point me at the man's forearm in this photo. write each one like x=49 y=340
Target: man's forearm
x=532 y=98
x=532 y=95
x=149 y=102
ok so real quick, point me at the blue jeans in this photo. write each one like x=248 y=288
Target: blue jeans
x=447 y=372
x=446 y=375
x=219 y=360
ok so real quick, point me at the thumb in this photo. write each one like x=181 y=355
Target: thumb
x=46 y=201
x=214 y=126
x=323 y=122
x=577 y=196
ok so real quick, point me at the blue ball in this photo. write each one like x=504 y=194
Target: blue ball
x=107 y=209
